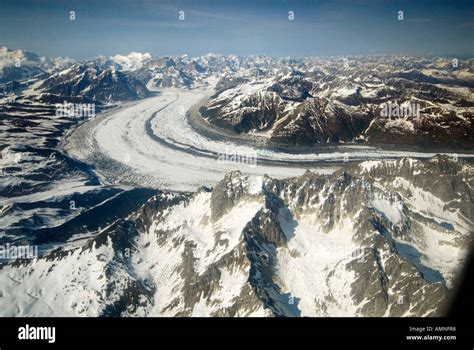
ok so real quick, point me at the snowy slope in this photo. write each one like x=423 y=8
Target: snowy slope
x=346 y=244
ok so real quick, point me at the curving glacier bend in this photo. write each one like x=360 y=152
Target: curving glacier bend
x=125 y=227
x=151 y=143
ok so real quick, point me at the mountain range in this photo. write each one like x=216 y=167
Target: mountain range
x=326 y=102
x=381 y=237
x=374 y=239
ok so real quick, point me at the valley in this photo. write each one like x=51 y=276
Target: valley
x=234 y=186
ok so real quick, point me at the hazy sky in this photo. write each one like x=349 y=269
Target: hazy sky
x=320 y=28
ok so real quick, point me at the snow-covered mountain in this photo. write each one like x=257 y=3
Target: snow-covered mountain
x=296 y=102
x=88 y=80
x=323 y=101
x=17 y=65
x=374 y=239
x=180 y=72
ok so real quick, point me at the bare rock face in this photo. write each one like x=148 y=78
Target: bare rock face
x=378 y=238
x=320 y=121
x=256 y=112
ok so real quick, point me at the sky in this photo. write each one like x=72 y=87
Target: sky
x=240 y=27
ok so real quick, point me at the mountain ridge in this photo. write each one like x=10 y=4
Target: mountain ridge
x=345 y=244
